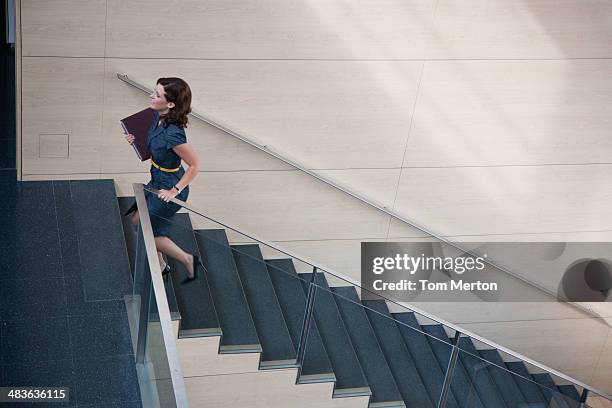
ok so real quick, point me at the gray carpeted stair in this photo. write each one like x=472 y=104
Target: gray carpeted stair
x=569 y=391
x=197 y=310
x=461 y=384
x=239 y=334
x=554 y=398
x=350 y=380
x=316 y=366
x=373 y=361
x=530 y=389
x=432 y=374
x=503 y=379
x=477 y=369
x=400 y=361
x=278 y=349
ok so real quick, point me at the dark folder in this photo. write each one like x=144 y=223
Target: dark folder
x=138 y=125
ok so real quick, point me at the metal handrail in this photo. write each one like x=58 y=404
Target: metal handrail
x=159 y=291
x=366 y=200
x=352 y=281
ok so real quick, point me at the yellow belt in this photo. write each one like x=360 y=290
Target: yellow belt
x=157 y=166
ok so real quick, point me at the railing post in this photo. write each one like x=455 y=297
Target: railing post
x=312 y=291
x=143 y=324
x=148 y=279
x=448 y=377
x=142 y=291
x=583 y=397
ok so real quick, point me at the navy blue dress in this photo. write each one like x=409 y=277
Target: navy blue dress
x=160 y=140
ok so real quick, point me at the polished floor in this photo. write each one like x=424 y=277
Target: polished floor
x=63 y=279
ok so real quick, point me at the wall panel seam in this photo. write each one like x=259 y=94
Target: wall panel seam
x=332 y=59
x=399 y=176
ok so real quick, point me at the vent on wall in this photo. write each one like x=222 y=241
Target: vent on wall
x=53 y=146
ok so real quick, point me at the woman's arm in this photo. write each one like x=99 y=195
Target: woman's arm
x=189 y=156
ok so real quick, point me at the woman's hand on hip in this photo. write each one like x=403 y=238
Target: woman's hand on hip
x=167 y=195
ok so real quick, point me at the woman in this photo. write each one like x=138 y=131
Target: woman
x=167 y=142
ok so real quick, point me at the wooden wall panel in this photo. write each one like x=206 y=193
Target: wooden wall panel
x=65 y=28
x=62 y=96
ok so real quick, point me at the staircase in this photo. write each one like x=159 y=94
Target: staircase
x=239 y=329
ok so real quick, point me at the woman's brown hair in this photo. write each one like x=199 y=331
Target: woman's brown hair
x=177 y=91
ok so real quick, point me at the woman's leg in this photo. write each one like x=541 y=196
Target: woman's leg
x=169 y=248
x=162 y=263
x=135 y=218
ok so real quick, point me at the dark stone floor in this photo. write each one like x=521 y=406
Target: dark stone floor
x=64 y=276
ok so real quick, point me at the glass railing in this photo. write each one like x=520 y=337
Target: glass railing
x=157 y=362
x=514 y=389
x=540 y=289
x=330 y=333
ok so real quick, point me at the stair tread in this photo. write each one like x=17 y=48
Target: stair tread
x=227 y=292
x=570 y=391
x=348 y=370
x=461 y=383
x=95 y=213
x=401 y=362
x=505 y=381
x=266 y=313
x=368 y=350
x=198 y=313
x=552 y=394
x=288 y=288
x=478 y=370
x=423 y=356
x=528 y=387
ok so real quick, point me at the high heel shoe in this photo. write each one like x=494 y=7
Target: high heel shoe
x=166 y=272
x=196 y=264
x=130 y=210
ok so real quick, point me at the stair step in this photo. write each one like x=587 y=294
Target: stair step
x=461 y=384
x=531 y=391
x=551 y=393
x=368 y=350
x=175 y=313
x=130 y=236
x=198 y=315
x=398 y=356
x=569 y=391
x=97 y=224
x=239 y=334
x=348 y=371
x=423 y=356
x=478 y=370
x=504 y=380
x=278 y=350
x=288 y=289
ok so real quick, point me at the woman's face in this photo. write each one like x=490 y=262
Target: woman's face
x=158 y=100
